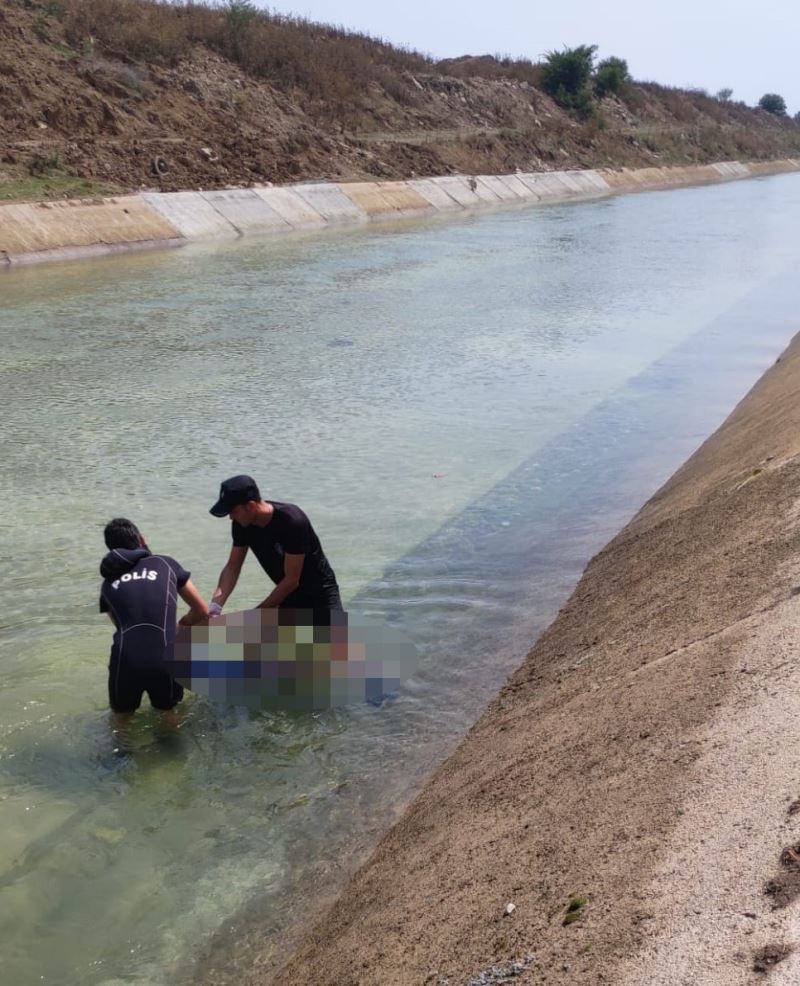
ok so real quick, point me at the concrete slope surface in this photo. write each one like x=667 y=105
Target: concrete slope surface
x=631 y=791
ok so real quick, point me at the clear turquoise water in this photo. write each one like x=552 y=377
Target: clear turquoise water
x=467 y=410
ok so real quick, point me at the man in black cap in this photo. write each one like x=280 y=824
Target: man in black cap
x=285 y=544
x=139 y=593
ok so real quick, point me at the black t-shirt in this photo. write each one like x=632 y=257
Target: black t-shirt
x=289 y=532
x=142 y=598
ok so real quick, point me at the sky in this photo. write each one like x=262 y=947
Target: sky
x=710 y=44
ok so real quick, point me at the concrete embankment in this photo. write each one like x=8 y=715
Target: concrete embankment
x=65 y=230
x=79 y=227
x=632 y=788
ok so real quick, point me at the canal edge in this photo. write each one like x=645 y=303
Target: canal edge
x=56 y=230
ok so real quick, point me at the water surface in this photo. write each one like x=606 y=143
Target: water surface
x=467 y=409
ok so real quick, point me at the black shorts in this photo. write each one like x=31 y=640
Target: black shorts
x=127 y=684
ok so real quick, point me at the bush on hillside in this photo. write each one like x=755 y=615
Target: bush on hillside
x=239 y=13
x=239 y=16
x=773 y=103
x=611 y=75
x=566 y=75
x=724 y=95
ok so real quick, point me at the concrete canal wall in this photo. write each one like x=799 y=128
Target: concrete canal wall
x=84 y=227
x=61 y=230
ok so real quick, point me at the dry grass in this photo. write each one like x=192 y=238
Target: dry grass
x=331 y=69
x=492 y=67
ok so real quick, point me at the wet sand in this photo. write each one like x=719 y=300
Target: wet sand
x=641 y=763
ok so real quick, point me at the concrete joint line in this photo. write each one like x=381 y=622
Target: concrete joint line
x=709 y=636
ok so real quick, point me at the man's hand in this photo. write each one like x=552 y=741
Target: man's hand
x=214 y=609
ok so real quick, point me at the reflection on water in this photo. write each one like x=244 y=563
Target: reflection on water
x=511 y=388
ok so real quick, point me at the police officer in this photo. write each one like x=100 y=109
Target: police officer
x=139 y=593
x=285 y=544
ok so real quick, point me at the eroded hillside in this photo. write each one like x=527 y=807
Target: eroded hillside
x=103 y=94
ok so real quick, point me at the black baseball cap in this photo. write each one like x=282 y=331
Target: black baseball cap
x=236 y=490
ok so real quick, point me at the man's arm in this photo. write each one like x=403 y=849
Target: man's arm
x=228 y=577
x=198 y=611
x=292 y=567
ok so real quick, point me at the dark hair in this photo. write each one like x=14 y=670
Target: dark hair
x=121 y=533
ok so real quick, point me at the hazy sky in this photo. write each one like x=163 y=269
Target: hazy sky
x=738 y=44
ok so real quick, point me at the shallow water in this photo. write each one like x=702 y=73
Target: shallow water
x=467 y=409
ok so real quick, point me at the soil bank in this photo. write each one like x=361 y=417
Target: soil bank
x=104 y=97
x=640 y=767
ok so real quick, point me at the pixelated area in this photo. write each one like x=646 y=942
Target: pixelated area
x=297 y=660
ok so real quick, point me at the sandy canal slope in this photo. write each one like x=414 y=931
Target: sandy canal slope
x=646 y=757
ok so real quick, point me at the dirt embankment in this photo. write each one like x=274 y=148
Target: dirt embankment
x=629 y=791
x=80 y=112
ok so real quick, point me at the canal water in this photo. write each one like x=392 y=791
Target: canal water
x=467 y=409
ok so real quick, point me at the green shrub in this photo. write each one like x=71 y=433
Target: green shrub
x=239 y=13
x=773 y=103
x=581 y=103
x=611 y=75
x=566 y=75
